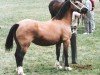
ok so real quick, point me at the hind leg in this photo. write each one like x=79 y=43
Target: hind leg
x=19 y=55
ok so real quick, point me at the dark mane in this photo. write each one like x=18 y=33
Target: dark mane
x=54 y=7
x=63 y=10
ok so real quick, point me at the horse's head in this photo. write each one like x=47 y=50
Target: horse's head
x=68 y=7
x=78 y=6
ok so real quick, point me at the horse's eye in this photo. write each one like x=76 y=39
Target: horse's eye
x=76 y=3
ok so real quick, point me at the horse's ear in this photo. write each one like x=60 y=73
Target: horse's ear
x=68 y=0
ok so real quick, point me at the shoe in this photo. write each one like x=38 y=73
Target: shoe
x=93 y=30
x=85 y=33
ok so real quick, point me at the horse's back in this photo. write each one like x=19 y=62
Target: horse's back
x=41 y=33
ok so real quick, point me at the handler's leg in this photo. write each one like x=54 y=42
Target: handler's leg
x=74 y=48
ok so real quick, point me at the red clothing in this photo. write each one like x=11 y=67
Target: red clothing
x=92 y=1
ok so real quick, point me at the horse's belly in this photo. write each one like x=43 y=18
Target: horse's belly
x=44 y=42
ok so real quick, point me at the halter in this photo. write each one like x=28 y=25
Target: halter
x=82 y=5
x=75 y=5
x=78 y=7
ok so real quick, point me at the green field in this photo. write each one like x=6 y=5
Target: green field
x=40 y=60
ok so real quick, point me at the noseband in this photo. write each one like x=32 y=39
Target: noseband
x=79 y=7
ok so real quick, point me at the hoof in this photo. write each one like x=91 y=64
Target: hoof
x=74 y=63
x=58 y=66
x=68 y=68
x=20 y=71
x=21 y=74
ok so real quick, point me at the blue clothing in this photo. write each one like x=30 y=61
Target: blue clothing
x=88 y=18
x=88 y=4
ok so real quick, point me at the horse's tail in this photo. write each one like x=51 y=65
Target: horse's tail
x=9 y=40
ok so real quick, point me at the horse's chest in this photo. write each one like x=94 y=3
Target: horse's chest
x=66 y=32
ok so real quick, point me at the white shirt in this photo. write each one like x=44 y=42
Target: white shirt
x=75 y=17
x=88 y=4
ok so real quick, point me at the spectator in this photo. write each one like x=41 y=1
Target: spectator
x=75 y=18
x=92 y=15
x=88 y=17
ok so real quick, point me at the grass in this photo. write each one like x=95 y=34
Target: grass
x=40 y=60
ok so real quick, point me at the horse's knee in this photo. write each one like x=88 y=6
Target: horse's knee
x=67 y=43
x=19 y=54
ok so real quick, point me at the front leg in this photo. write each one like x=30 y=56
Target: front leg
x=65 y=52
x=57 y=64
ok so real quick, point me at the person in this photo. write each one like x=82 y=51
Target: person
x=92 y=15
x=75 y=17
x=88 y=17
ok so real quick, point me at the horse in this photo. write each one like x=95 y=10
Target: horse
x=52 y=32
x=54 y=7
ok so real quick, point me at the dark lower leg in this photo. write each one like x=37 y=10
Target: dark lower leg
x=66 y=58
x=65 y=52
x=73 y=48
x=19 y=55
x=58 y=46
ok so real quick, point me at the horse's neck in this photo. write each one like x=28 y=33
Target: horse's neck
x=68 y=18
